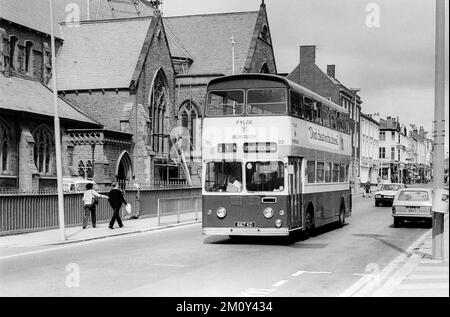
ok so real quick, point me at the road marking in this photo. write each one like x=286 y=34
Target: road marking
x=257 y=292
x=278 y=284
x=356 y=286
x=72 y=244
x=424 y=286
x=298 y=273
x=170 y=265
x=428 y=277
x=433 y=268
x=364 y=285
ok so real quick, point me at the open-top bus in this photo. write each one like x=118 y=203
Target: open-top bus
x=275 y=158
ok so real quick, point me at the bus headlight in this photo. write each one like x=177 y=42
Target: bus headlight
x=278 y=223
x=281 y=212
x=268 y=212
x=221 y=212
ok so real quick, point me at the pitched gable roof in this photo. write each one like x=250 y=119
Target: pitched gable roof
x=29 y=96
x=34 y=14
x=100 y=54
x=207 y=39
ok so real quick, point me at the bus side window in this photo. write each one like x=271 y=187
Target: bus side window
x=311 y=171
x=296 y=104
x=308 y=109
x=318 y=113
x=326 y=116
x=333 y=119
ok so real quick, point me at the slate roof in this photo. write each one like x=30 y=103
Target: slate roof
x=100 y=54
x=212 y=31
x=35 y=14
x=29 y=96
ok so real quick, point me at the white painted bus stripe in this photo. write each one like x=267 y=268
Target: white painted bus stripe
x=277 y=284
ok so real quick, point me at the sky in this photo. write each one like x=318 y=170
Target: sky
x=392 y=62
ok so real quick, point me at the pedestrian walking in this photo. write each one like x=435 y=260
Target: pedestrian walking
x=367 y=189
x=116 y=199
x=90 y=200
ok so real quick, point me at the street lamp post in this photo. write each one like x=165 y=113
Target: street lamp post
x=57 y=132
x=355 y=164
x=439 y=129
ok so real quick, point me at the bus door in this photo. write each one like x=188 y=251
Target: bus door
x=294 y=183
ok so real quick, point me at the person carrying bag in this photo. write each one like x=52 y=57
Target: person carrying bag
x=116 y=199
x=90 y=200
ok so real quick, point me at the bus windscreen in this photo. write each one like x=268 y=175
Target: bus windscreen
x=264 y=176
x=266 y=101
x=225 y=103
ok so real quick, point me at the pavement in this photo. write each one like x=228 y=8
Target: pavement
x=77 y=234
x=414 y=273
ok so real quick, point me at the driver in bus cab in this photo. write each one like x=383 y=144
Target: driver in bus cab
x=233 y=185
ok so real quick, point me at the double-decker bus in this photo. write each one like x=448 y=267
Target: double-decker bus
x=275 y=158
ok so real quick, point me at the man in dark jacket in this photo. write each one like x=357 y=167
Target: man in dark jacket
x=115 y=200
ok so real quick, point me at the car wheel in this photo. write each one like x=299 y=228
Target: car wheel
x=377 y=203
x=397 y=222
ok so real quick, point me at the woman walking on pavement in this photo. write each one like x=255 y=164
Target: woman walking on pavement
x=90 y=201
x=116 y=199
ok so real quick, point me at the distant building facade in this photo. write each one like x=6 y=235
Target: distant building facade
x=370 y=158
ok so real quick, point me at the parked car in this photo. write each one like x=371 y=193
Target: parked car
x=73 y=185
x=385 y=194
x=412 y=204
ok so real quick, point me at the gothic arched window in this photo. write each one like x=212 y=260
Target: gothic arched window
x=264 y=69
x=158 y=110
x=44 y=150
x=89 y=170
x=5 y=144
x=189 y=113
x=28 y=57
x=81 y=169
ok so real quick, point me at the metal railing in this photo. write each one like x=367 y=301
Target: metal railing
x=20 y=213
x=172 y=210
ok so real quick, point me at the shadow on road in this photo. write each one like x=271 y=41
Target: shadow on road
x=296 y=240
x=379 y=237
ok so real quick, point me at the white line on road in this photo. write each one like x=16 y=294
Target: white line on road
x=424 y=286
x=82 y=243
x=364 y=285
x=356 y=286
x=428 y=277
x=278 y=284
x=298 y=273
x=433 y=268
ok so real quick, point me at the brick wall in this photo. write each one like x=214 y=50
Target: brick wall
x=41 y=44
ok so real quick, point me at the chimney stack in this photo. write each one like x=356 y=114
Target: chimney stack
x=308 y=54
x=331 y=71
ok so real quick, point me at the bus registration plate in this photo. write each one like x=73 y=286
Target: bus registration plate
x=243 y=224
